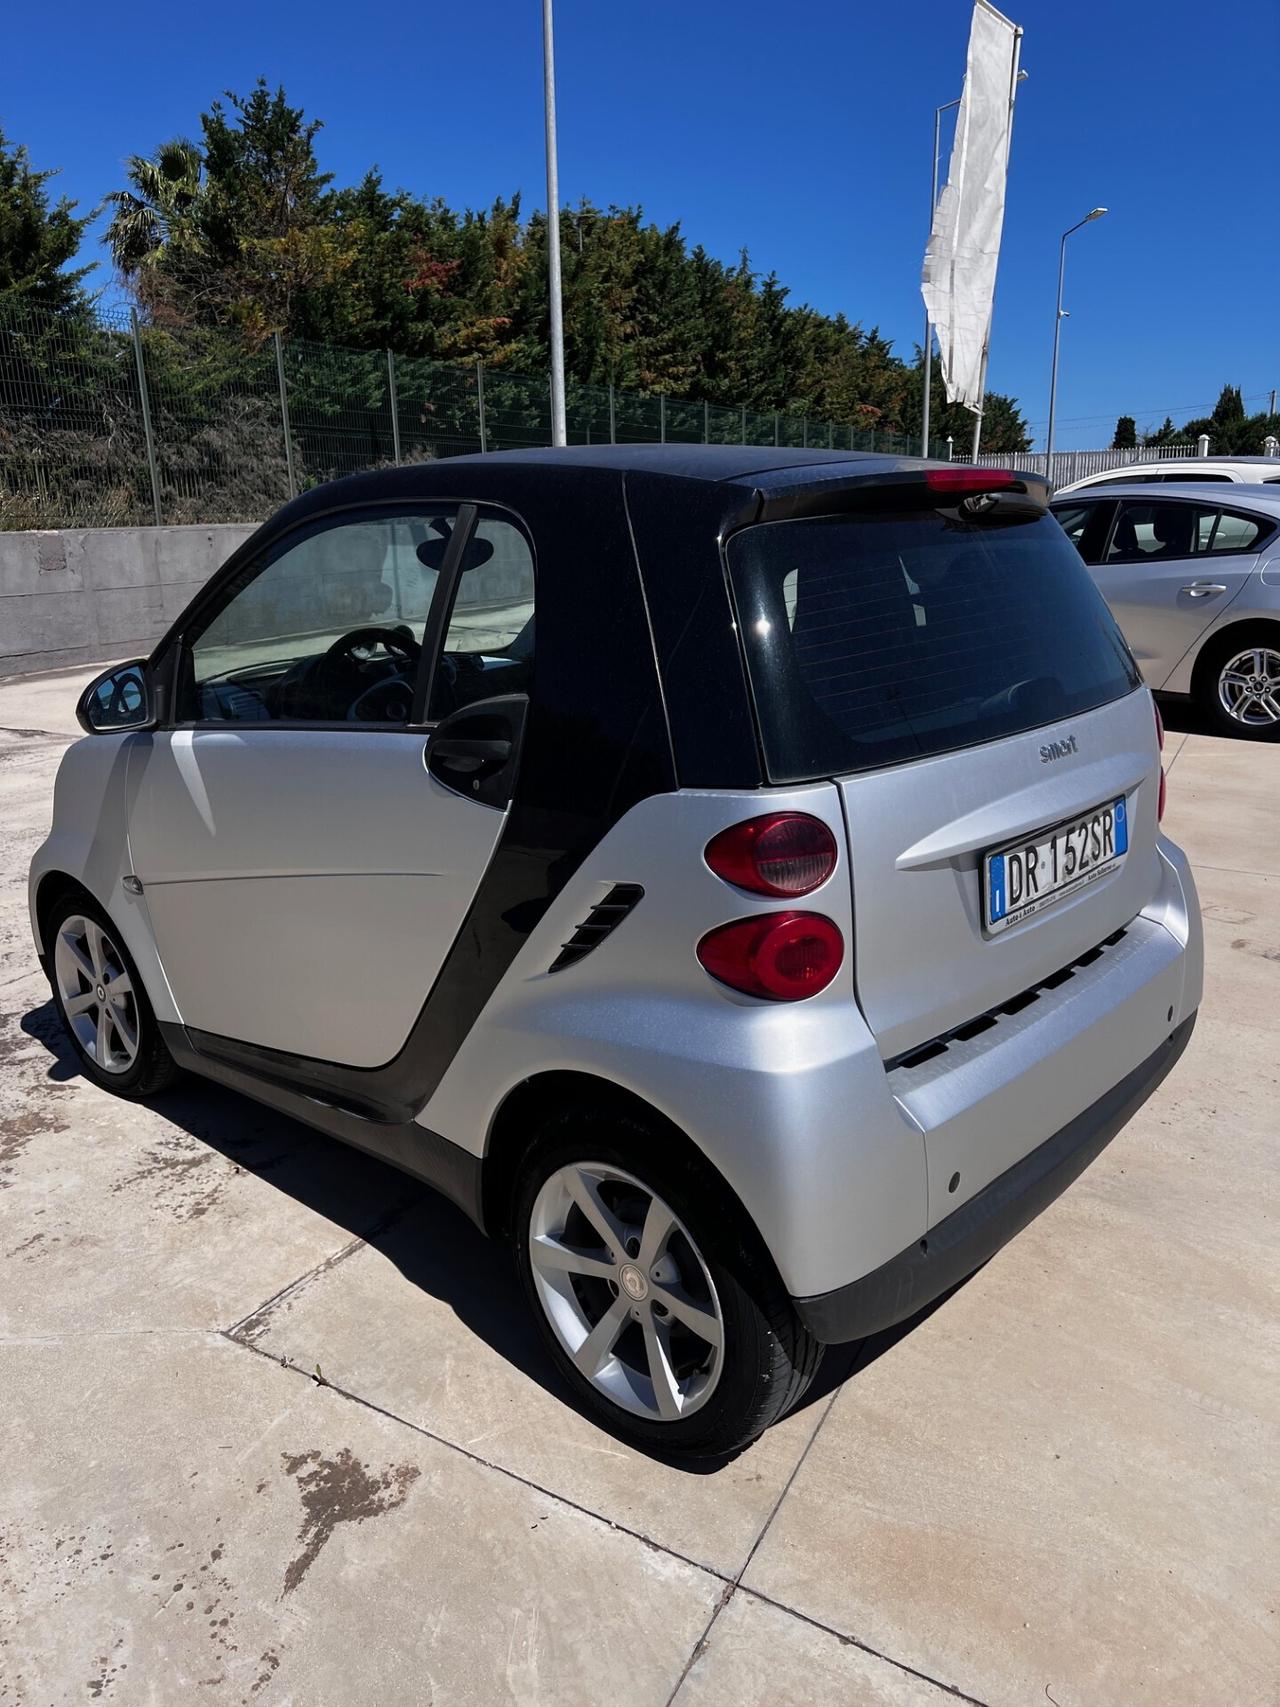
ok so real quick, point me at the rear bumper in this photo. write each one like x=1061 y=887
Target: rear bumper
x=956 y=1246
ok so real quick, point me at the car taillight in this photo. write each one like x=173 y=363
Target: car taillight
x=782 y=853
x=962 y=480
x=780 y=956
x=1160 y=738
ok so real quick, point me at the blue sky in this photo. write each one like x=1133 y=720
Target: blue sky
x=802 y=133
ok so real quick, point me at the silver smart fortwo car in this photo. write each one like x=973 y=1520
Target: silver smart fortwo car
x=734 y=876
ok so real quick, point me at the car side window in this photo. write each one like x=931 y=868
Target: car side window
x=1074 y=520
x=488 y=645
x=1086 y=524
x=1147 y=530
x=326 y=629
x=1225 y=532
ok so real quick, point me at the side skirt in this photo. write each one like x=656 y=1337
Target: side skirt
x=414 y=1149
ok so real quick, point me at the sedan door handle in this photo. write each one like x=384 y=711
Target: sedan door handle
x=1202 y=589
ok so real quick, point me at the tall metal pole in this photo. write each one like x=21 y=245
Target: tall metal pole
x=152 y=468
x=928 y=324
x=480 y=417
x=284 y=418
x=1058 y=318
x=559 y=434
x=395 y=406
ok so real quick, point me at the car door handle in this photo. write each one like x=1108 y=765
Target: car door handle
x=469 y=753
x=1203 y=589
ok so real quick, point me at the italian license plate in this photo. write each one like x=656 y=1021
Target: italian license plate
x=1043 y=869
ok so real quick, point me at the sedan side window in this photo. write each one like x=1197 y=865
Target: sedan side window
x=1154 y=530
x=1228 y=533
x=328 y=629
x=488 y=647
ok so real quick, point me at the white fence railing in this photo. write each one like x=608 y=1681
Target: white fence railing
x=1071 y=465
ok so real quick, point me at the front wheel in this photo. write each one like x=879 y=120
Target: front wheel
x=664 y=1318
x=102 y=1003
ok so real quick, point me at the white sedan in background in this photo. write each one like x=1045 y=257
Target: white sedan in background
x=1194 y=581
x=1184 y=470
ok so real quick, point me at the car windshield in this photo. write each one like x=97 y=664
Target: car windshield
x=873 y=640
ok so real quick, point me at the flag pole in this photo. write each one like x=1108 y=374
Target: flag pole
x=558 y=425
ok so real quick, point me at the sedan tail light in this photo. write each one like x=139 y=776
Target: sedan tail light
x=781 y=853
x=780 y=956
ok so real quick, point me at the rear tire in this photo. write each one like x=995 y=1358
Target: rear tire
x=1228 y=681
x=659 y=1308
x=102 y=1003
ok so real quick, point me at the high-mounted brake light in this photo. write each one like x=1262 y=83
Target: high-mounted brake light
x=779 y=956
x=963 y=480
x=1160 y=798
x=780 y=853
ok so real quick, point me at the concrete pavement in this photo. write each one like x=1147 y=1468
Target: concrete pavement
x=273 y=1428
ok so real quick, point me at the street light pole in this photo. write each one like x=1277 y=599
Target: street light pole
x=928 y=324
x=1058 y=318
x=558 y=427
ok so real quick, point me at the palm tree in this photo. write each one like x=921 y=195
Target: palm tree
x=163 y=194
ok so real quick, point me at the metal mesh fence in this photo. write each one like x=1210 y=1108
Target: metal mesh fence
x=105 y=422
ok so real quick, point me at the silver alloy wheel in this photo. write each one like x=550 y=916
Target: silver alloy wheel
x=626 y=1291
x=1249 y=687
x=97 y=993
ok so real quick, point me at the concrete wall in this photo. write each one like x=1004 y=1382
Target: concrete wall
x=90 y=595
x=84 y=595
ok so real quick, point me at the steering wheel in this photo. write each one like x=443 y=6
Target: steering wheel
x=399 y=642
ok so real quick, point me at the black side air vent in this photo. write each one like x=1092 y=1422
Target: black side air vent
x=604 y=917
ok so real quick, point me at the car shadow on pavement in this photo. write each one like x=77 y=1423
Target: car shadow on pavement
x=432 y=1243
x=1184 y=717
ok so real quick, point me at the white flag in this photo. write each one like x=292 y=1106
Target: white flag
x=959 y=279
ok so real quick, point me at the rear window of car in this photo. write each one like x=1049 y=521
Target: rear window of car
x=875 y=640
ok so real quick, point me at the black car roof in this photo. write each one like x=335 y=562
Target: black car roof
x=767 y=469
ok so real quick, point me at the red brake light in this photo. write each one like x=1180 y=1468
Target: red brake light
x=781 y=853
x=962 y=480
x=780 y=956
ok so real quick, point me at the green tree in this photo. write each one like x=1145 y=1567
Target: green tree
x=37 y=240
x=1165 y=434
x=157 y=207
x=1126 y=434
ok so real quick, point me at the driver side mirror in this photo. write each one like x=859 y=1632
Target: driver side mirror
x=120 y=698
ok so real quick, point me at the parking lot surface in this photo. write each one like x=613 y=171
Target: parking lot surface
x=274 y=1427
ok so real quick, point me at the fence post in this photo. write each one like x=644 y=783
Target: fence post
x=284 y=418
x=1202 y=445
x=395 y=406
x=484 y=431
x=613 y=416
x=804 y=434
x=777 y=427
x=662 y=417
x=706 y=422
x=831 y=435
x=951 y=442
x=744 y=423
x=146 y=420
